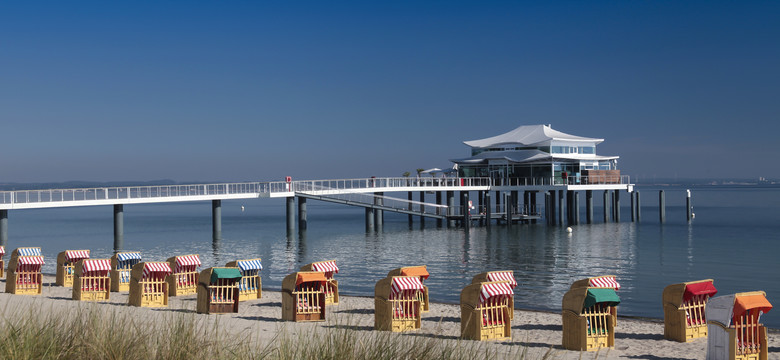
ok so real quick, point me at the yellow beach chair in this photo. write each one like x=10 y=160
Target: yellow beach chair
x=397 y=305
x=420 y=272
x=121 y=265
x=684 y=305
x=588 y=324
x=91 y=280
x=303 y=296
x=505 y=275
x=250 y=286
x=65 y=262
x=484 y=310
x=24 y=272
x=184 y=279
x=735 y=330
x=148 y=285
x=218 y=290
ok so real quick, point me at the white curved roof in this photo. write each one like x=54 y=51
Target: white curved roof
x=529 y=135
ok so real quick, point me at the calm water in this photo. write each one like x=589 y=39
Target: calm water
x=733 y=239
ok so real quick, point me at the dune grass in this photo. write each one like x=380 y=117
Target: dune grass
x=92 y=332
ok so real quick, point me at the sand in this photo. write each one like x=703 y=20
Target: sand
x=539 y=331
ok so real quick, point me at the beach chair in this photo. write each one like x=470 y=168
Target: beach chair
x=148 y=285
x=588 y=324
x=24 y=272
x=121 y=265
x=421 y=272
x=218 y=290
x=332 y=285
x=397 y=305
x=735 y=330
x=303 y=296
x=184 y=279
x=684 y=304
x=250 y=286
x=604 y=281
x=506 y=275
x=2 y=262
x=65 y=262
x=91 y=280
x=484 y=310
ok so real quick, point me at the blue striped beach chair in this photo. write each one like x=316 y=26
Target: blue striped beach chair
x=121 y=265
x=250 y=285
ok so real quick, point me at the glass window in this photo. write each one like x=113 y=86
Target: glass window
x=587 y=149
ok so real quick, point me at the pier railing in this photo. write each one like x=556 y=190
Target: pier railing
x=82 y=196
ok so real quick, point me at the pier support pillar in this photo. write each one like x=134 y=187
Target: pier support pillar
x=662 y=206
x=638 y=207
x=533 y=209
x=379 y=215
x=216 y=219
x=422 y=208
x=576 y=208
x=4 y=228
x=438 y=210
x=480 y=204
x=498 y=206
x=561 y=206
x=508 y=208
x=589 y=206
x=688 y=205
x=606 y=206
x=488 y=209
x=410 y=198
x=466 y=210
x=369 y=219
x=119 y=227
x=552 y=202
x=633 y=207
x=290 y=203
x=450 y=208
x=617 y=205
x=302 y=214
x=570 y=207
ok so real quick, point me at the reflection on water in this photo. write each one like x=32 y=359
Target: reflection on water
x=736 y=246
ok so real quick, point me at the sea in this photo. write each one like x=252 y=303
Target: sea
x=733 y=238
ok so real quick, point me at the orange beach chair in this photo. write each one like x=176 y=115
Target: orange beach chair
x=303 y=296
x=735 y=330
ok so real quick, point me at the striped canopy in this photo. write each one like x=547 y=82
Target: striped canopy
x=401 y=283
x=245 y=265
x=29 y=251
x=325 y=266
x=608 y=282
x=188 y=260
x=76 y=255
x=96 y=265
x=128 y=256
x=502 y=276
x=495 y=289
x=2 y=250
x=157 y=267
x=31 y=260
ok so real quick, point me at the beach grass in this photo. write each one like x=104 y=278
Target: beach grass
x=42 y=332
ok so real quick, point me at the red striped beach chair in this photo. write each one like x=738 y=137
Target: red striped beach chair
x=332 y=285
x=65 y=268
x=184 y=279
x=684 y=303
x=91 y=280
x=484 y=310
x=218 y=290
x=734 y=327
x=2 y=262
x=148 y=285
x=24 y=272
x=121 y=265
x=605 y=282
x=420 y=272
x=303 y=296
x=250 y=286
x=397 y=305
x=588 y=324
x=505 y=275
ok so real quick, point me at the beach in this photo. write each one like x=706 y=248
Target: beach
x=539 y=331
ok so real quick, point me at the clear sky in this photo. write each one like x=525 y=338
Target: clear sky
x=255 y=91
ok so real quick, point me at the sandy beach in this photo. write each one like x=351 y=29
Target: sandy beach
x=539 y=331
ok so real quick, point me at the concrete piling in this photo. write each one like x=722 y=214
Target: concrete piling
x=606 y=206
x=4 y=228
x=662 y=206
x=119 y=227
x=589 y=206
x=302 y=214
x=290 y=207
x=688 y=205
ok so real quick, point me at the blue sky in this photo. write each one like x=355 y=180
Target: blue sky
x=255 y=91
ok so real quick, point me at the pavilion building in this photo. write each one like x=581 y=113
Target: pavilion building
x=540 y=154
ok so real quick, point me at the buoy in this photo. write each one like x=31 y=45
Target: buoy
x=569 y=230
x=242 y=208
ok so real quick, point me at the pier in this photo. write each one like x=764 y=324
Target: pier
x=482 y=201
